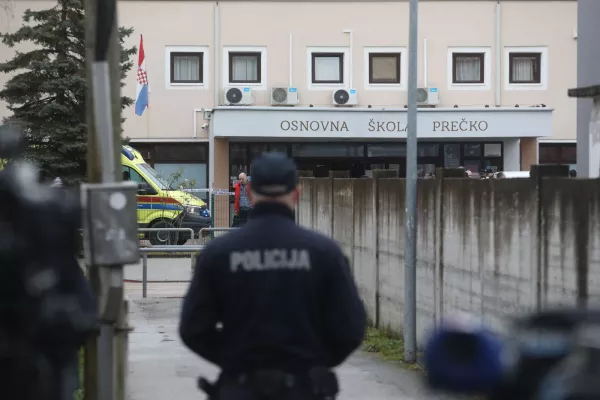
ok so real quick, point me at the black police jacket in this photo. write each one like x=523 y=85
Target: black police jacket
x=283 y=297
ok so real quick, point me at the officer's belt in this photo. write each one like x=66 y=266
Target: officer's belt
x=321 y=381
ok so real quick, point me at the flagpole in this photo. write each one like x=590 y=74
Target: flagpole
x=148 y=118
x=147 y=106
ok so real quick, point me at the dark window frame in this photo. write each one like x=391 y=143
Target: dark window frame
x=480 y=55
x=537 y=75
x=374 y=81
x=199 y=54
x=561 y=150
x=316 y=55
x=257 y=54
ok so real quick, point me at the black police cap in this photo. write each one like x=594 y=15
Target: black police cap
x=273 y=174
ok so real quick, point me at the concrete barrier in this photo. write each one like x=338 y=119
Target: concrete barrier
x=494 y=248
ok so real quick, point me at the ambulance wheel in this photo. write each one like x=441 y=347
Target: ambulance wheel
x=163 y=238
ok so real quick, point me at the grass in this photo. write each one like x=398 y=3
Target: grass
x=79 y=392
x=388 y=346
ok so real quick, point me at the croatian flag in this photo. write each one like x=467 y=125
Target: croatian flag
x=141 y=100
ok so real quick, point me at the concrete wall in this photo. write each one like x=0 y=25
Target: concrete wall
x=494 y=248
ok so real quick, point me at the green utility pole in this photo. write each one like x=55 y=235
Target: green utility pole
x=97 y=346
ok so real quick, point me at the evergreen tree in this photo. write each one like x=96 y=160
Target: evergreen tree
x=48 y=89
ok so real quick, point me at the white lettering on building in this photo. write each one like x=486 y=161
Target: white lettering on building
x=269 y=259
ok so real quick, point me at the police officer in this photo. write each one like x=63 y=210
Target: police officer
x=272 y=304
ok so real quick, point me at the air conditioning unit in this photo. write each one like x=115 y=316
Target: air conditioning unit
x=238 y=96
x=282 y=96
x=345 y=97
x=428 y=97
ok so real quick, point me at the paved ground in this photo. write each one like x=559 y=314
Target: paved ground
x=162 y=368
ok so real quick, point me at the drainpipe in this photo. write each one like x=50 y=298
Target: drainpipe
x=216 y=92
x=351 y=57
x=498 y=54
x=291 y=63
x=425 y=63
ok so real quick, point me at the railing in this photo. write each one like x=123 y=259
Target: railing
x=162 y=249
x=190 y=230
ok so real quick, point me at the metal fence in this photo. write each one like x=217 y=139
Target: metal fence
x=187 y=249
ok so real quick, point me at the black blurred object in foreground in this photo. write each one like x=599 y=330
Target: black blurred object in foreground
x=47 y=309
x=549 y=355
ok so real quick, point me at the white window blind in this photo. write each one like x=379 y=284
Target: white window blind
x=244 y=68
x=186 y=68
x=468 y=69
x=385 y=68
x=327 y=69
x=524 y=68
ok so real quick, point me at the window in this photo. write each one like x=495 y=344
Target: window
x=525 y=67
x=328 y=150
x=327 y=68
x=245 y=67
x=186 y=67
x=386 y=150
x=179 y=152
x=384 y=68
x=130 y=174
x=472 y=150
x=468 y=67
x=428 y=150
x=558 y=153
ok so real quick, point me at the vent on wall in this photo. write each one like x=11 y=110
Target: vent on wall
x=427 y=96
x=344 y=97
x=238 y=96
x=282 y=96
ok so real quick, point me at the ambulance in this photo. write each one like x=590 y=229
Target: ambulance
x=161 y=206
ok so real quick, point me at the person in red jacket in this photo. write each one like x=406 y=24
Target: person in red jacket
x=241 y=204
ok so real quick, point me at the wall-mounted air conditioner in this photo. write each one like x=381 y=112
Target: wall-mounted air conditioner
x=238 y=96
x=428 y=97
x=344 y=97
x=284 y=96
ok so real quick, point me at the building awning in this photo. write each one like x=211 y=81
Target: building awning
x=383 y=123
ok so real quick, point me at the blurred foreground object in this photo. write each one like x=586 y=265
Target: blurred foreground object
x=46 y=307
x=462 y=356
x=548 y=355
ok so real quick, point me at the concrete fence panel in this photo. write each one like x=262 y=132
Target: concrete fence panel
x=391 y=211
x=343 y=211
x=466 y=243
x=509 y=274
x=428 y=251
x=304 y=209
x=322 y=206
x=365 y=245
x=570 y=265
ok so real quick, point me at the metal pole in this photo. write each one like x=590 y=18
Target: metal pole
x=144 y=274
x=410 y=227
x=103 y=55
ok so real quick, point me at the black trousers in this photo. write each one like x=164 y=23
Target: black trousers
x=241 y=218
x=246 y=392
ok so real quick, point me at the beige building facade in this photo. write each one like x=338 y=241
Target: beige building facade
x=494 y=76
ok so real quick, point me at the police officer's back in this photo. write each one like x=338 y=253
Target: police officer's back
x=284 y=295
